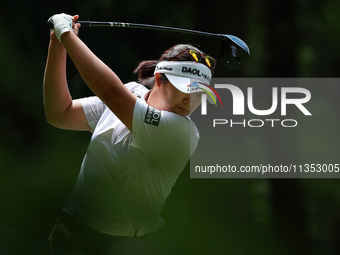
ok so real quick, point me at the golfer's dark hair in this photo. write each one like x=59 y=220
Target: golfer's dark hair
x=145 y=69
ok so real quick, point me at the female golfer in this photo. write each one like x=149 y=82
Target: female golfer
x=142 y=140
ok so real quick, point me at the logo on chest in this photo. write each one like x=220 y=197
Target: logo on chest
x=153 y=116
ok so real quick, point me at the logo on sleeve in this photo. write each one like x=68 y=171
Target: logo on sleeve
x=153 y=116
x=137 y=94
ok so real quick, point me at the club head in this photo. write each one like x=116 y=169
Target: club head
x=234 y=53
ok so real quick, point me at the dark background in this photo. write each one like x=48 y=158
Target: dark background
x=39 y=163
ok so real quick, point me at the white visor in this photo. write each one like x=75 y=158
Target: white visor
x=187 y=76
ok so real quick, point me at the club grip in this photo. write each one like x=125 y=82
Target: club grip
x=85 y=23
x=49 y=24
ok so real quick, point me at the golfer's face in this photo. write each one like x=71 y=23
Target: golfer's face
x=181 y=103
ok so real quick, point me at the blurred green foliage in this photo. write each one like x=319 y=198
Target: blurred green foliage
x=39 y=164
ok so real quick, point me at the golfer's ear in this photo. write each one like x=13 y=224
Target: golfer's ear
x=158 y=79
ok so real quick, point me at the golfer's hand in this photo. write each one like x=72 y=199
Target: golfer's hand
x=63 y=23
x=75 y=26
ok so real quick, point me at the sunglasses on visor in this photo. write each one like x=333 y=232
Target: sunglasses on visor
x=197 y=56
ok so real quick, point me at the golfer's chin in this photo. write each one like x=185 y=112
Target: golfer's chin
x=181 y=111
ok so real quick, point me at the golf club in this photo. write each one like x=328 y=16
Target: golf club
x=234 y=53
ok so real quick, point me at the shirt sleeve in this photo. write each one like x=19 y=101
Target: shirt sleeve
x=163 y=136
x=93 y=109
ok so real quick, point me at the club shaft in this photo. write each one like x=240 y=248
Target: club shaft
x=154 y=27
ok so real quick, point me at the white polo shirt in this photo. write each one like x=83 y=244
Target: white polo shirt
x=126 y=177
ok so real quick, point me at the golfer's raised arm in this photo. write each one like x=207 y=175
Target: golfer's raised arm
x=97 y=75
x=60 y=110
x=100 y=79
